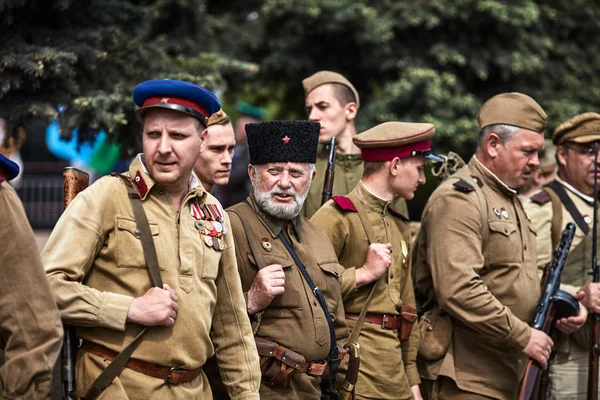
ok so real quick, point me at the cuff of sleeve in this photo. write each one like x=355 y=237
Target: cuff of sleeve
x=569 y=288
x=349 y=283
x=244 y=396
x=412 y=374
x=113 y=311
x=519 y=335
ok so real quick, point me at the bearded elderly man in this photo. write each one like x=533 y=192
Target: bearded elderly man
x=99 y=276
x=282 y=259
x=476 y=260
x=213 y=165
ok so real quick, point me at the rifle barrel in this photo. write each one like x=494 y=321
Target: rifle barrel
x=592 y=392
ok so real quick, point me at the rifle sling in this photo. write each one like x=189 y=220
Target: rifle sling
x=113 y=370
x=570 y=206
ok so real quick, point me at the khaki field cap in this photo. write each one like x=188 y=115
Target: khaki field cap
x=386 y=141
x=583 y=128
x=516 y=109
x=323 y=77
x=217 y=117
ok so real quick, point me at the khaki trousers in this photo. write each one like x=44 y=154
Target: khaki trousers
x=569 y=374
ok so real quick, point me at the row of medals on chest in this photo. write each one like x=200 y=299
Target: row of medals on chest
x=211 y=228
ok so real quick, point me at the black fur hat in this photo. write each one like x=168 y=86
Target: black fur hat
x=283 y=141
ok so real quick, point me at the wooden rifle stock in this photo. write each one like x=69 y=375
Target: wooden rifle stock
x=329 y=173
x=545 y=311
x=74 y=181
x=592 y=389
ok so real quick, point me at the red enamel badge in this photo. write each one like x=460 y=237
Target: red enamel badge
x=164 y=100
x=286 y=139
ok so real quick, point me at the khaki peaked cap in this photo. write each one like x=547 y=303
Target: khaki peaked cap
x=323 y=77
x=396 y=139
x=516 y=109
x=583 y=128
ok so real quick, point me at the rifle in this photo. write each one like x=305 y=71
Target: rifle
x=74 y=181
x=553 y=305
x=592 y=391
x=329 y=173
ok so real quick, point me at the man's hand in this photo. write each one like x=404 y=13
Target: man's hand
x=539 y=347
x=156 y=307
x=378 y=260
x=572 y=324
x=416 y=392
x=591 y=296
x=269 y=282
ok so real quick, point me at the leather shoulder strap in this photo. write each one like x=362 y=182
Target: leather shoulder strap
x=113 y=370
x=570 y=206
x=555 y=228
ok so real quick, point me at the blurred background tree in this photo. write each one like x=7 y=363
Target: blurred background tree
x=434 y=60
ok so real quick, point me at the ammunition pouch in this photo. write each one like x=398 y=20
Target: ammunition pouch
x=435 y=329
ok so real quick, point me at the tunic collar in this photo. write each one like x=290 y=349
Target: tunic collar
x=144 y=181
x=586 y=198
x=370 y=200
x=489 y=177
x=275 y=225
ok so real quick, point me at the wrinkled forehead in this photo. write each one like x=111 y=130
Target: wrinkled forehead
x=291 y=166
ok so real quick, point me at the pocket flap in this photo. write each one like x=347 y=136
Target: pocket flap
x=130 y=226
x=505 y=228
x=270 y=260
x=332 y=267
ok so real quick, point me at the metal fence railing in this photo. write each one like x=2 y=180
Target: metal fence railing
x=42 y=197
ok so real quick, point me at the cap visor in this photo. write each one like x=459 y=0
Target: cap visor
x=433 y=157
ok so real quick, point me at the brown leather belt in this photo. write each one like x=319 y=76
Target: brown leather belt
x=386 y=321
x=172 y=375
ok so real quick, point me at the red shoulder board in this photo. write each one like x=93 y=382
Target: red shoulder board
x=397 y=214
x=463 y=186
x=540 y=198
x=344 y=203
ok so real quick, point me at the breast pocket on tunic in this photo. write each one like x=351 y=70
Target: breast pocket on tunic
x=130 y=253
x=211 y=259
x=331 y=282
x=291 y=298
x=504 y=244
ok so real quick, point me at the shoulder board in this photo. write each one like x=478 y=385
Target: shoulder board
x=463 y=186
x=344 y=203
x=540 y=198
x=397 y=214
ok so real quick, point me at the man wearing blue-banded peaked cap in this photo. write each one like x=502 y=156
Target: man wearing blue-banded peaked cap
x=103 y=285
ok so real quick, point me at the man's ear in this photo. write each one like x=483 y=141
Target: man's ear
x=492 y=144
x=350 y=111
x=203 y=137
x=561 y=155
x=251 y=173
x=394 y=166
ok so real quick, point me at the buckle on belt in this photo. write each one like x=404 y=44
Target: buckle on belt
x=384 y=321
x=169 y=374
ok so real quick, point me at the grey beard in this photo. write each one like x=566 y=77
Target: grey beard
x=285 y=212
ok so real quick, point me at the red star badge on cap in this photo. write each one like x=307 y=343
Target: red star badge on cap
x=286 y=139
x=164 y=100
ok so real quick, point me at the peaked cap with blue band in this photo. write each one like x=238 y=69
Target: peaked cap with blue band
x=8 y=169
x=182 y=96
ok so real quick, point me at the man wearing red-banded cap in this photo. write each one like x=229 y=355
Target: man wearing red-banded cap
x=475 y=263
x=97 y=263
x=372 y=242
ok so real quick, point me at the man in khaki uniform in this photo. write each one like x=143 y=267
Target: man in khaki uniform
x=100 y=279
x=30 y=328
x=213 y=165
x=287 y=317
x=571 y=195
x=485 y=276
x=395 y=154
x=332 y=101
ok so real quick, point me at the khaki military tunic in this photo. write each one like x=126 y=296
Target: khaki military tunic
x=348 y=172
x=387 y=367
x=295 y=319
x=95 y=265
x=569 y=367
x=30 y=327
x=484 y=277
